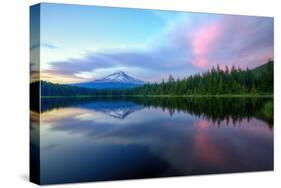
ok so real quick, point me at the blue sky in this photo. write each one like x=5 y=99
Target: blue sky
x=82 y=43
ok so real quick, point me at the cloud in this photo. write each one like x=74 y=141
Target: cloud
x=58 y=77
x=241 y=38
x=134 y=62
x=191 y=44
x=203 y=41
x=34 y=72
x=44 y=45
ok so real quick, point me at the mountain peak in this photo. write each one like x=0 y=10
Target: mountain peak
x=120 y=72
x=120 y=77
x=117 y=80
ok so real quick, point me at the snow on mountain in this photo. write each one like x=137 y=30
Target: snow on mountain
x=118 y=80
x=120 y=77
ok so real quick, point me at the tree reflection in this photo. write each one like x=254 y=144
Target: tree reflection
x=214 y=109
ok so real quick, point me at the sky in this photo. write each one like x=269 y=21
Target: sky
x=83 y=43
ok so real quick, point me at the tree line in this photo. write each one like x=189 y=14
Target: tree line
x=232 y=80
x=215 y=81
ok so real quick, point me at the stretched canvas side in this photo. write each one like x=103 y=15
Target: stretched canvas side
x=34 y=94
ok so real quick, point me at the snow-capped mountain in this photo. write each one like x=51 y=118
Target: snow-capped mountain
x=118 y=80
x=120 y=77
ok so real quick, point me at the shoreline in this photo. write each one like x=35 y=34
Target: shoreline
x=170 y=96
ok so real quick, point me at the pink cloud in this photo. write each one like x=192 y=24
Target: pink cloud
x=203 y=43
x=201 y=62
x=204 y=38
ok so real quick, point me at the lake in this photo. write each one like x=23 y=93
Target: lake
x=94 y=139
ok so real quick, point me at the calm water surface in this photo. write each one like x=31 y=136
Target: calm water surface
x=94 y=139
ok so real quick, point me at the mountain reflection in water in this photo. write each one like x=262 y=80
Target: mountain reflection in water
x=127 y=138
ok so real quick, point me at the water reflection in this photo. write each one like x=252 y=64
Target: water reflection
x=213 y=109
x=95 y=139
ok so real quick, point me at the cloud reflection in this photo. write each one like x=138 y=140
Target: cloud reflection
x=189 y=144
